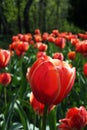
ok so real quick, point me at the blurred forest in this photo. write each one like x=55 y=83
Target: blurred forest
x=23 y=16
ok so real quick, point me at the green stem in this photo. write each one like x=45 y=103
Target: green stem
x=44 y=118
x=40 y=122
x=5 y=95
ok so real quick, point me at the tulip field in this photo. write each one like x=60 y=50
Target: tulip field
x=43 y=81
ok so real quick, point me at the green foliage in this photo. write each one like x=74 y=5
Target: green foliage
x=55 y=14
x=70 y=27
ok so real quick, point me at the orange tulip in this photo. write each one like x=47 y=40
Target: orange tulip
x=51 y=80
x=72 y=55
x=76 y=119
x=37 y=106
x=37 y=38
x=5 y=78
x=5 y=56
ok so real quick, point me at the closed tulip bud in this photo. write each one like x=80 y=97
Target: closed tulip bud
x=5 y=79
x=42 y=47
x=58 y=56
x=72 y=55
x=45 y=36
x=5 y=56
x=37 y=31
x=60 y=42
x=41 y=54
x=23 y=46
x=51 y=80
x=85 y=69
x=37 y=38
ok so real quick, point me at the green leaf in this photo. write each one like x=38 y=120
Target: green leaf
x=23 y=116
x=16 y=126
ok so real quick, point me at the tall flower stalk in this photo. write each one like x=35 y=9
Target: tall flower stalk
x=44 y=119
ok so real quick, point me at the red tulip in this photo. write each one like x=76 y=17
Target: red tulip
x=76 y=119
x=85 y=69
x=5 y=78
x=37 y=106
x=41 y=54
x=51 y=39
x=45 y=36
x=60 y=42
x=55 y=32
x=20 y=47
x=15 y=38
x=37 y=31
x=51 y=80
x=4 y=58
x=58 y=56
x=74 y=41
x=42 y=47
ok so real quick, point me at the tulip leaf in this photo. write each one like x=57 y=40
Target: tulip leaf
x=23 y=116
x=16 y=126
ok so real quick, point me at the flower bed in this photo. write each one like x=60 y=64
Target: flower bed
x=41 y=76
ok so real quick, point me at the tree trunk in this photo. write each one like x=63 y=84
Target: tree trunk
x=4 y=25
x=19 y=17
x=42 y=15
x=26 y=16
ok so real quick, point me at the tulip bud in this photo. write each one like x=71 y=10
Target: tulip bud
x=5 y=79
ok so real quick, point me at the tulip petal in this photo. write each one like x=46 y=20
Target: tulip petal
x=43 y=80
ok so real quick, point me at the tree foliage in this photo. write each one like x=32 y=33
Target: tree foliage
x=23 y=16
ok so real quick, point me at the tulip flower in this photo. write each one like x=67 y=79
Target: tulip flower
x=37 y=31
x=85 y=69
x=74 y=41
x=72 y=55
x=51 y=39
x=20 y=47
x=4 y=58
x=37 y=38
x=5 y=79
x=51 y=80
x=60 y=42
x=81 y=47
x=76 y=119
x=41 y=54
x=55 y=32
x=42 y=47
x=37 y=106
x=45 y=36
x=58 y=56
